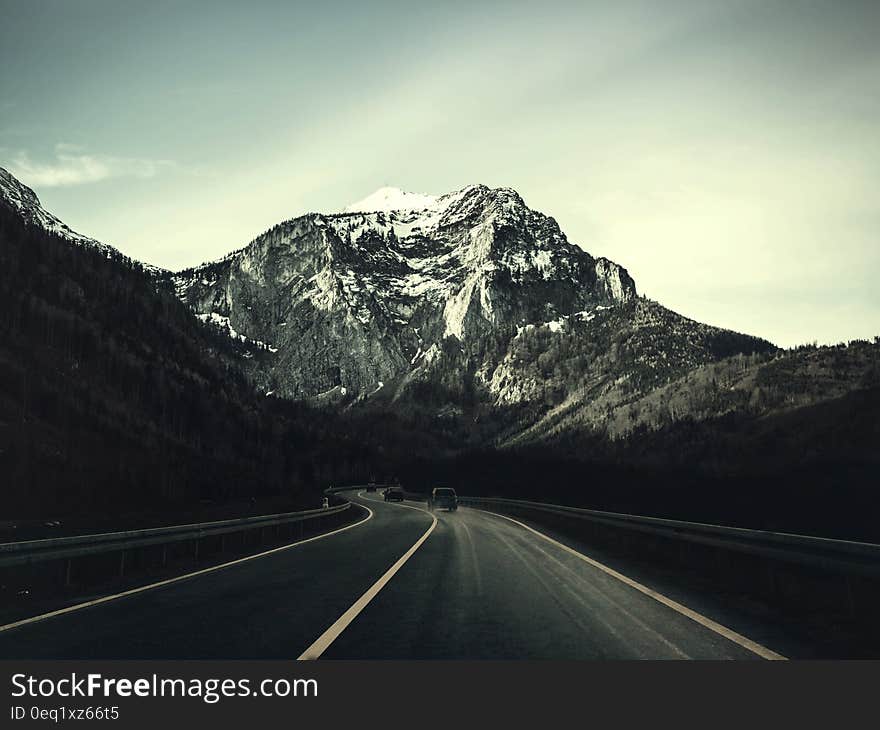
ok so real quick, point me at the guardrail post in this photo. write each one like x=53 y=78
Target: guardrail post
x=196 y=550
x=164 y=555
x=122 y=564
x=222 y=543
x=68 y=569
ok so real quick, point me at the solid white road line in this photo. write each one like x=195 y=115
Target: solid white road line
x=330 y=635
x=729 y=634
x=178 y=578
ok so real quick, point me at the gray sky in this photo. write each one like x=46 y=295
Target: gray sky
x=727 y=153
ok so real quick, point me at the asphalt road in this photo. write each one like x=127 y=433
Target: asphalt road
x=402 y=585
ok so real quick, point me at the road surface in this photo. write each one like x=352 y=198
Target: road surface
x=403 y=584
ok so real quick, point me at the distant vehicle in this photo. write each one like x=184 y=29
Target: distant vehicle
x=371 y=487
x=443 y=497
x=394 y=494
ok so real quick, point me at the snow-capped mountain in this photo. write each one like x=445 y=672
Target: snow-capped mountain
x=457 y=304
x=405 y=291
x=354 y=300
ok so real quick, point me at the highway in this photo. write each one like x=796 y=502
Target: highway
x=401 y=584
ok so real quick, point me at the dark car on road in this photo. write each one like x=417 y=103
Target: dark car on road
x=371 y=487
x=443 y=497
x=394 y=494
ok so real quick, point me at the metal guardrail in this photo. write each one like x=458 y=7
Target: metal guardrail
x=352 y=487
x=826 y=553
x=819 y=552
x=34 y=551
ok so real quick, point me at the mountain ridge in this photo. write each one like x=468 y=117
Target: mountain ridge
x=22 y=200
x=455 y=302
x=430 y=292
x=25 y=202
x=527 y=362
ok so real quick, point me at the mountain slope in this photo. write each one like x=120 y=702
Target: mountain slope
x=115 y=398
x=580 y=375
x=762 y=385
x=21 y=200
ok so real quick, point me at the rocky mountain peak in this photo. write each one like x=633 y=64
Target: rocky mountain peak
x=372 y=293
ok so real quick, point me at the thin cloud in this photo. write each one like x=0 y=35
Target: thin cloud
x=74 y=166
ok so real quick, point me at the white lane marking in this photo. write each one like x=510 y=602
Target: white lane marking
x=622 y=610
x=175 y=579
x=475 y=562
x=729 y=634
x=330 y=635
x=573 y=617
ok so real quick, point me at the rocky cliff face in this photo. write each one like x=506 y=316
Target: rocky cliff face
x=402 y=288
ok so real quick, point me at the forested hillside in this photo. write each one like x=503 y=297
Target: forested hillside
x=114 y=397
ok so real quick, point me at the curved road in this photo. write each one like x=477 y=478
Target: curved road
x=401 y=585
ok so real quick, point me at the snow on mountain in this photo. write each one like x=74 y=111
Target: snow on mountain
x=451 y=303
x=381 y=291
x=388 y=199
x=222 y=323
